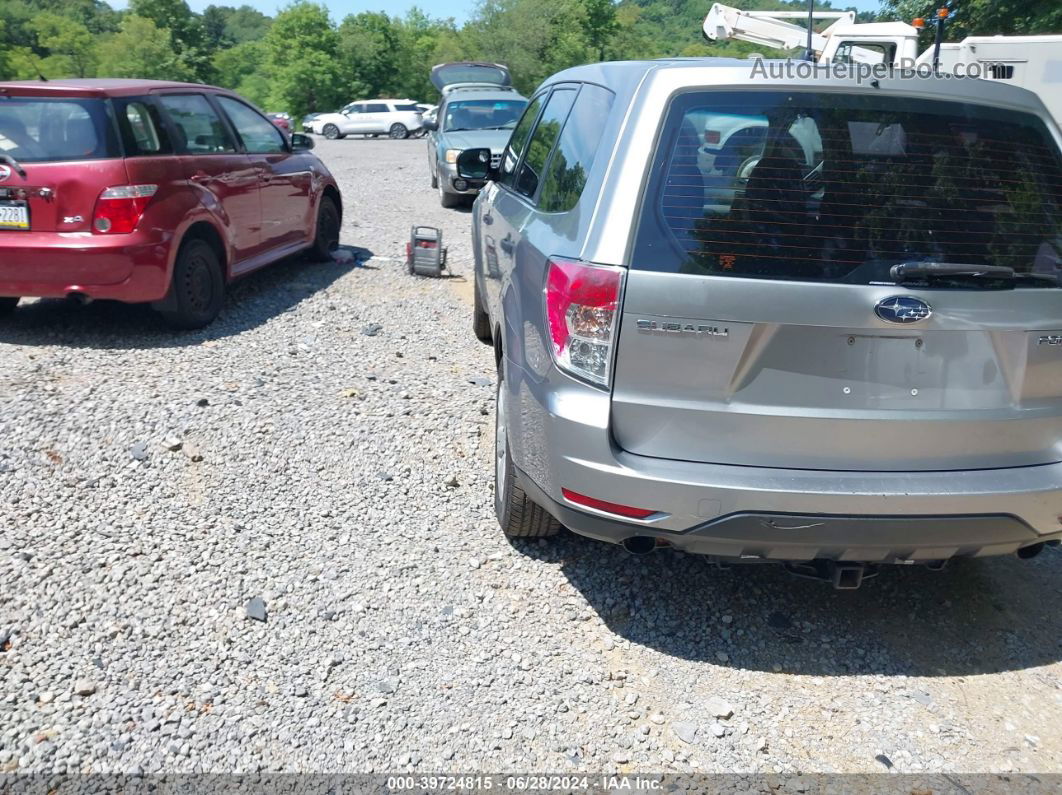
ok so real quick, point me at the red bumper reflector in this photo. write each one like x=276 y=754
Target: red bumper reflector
x=610 y=507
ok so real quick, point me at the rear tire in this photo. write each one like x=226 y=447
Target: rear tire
x=480 y=318
x=7 y=305
x=331 y=132
x=398 y=131
x=518 y=515
x=197 y=287
x=326 y=240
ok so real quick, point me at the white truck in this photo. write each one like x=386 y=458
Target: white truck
x=1032 y=62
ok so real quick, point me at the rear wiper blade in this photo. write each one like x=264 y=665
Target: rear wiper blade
x=904 y=271
x=14 y=164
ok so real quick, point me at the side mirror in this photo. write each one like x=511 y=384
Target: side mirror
x=430 y=124
x=301 y=142
x=475 y=164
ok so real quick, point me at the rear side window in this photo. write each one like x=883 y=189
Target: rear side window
x=259 y=135
x=407 y=107
x=838 y=188
x=578 y=144
x=517 y=141
x=530 y=172
x=37 y=130
x=196 y=124
x=143 y=133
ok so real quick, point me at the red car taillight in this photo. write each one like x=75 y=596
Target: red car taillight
x=119 y=209
x=582 y=302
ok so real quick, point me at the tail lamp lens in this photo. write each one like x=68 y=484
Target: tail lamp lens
x=603 y=505
x=582 y=302
x=119 y=209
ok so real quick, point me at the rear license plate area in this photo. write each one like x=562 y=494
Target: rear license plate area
x=14 y=214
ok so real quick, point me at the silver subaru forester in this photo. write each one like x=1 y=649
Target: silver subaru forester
x=815 y=321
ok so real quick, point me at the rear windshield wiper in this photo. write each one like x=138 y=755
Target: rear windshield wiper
x=906 y=272
x=14 y=164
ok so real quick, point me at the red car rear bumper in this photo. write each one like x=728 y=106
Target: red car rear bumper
x=132 y=268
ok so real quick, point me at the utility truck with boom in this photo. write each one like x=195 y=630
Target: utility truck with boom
x=1031 y=62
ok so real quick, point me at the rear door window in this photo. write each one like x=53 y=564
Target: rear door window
x=259 y=135
x=838 y=188
x=517 y=141
x=143 y=132
x=197 y=126
x=39 y=130
x=576 y=150
x=376 y=107
x=543 y=139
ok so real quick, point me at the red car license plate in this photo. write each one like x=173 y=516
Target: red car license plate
x=14 y=214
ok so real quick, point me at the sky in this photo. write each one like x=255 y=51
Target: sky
x=458 y=9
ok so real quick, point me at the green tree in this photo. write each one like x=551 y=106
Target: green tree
x=184 y=28
x=71 y=47
x=302 y=60
x=534 y=38
x=369 y=46
x=980 y=17
x=225 y=26
x=600 y=24
x=141 y=49
x=5 y=54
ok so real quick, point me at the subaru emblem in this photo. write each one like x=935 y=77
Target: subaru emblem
x=903 y=309
x=5 y=172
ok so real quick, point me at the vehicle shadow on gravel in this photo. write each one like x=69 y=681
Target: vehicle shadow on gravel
x=252 y=300
x=975 y=617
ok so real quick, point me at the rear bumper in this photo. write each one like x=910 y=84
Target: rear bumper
x=131 y=268
x=560 y=437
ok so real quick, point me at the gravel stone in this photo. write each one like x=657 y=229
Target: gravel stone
x=135 y=574
x=687 y=732
x=719 y=708
x=256 y=609
x=84 y=687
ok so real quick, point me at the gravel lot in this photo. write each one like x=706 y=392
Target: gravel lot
x=345 y=479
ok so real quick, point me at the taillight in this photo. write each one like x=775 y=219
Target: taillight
x=119 y=209
x=712 y=136
x=610 y=507
x=582 y=302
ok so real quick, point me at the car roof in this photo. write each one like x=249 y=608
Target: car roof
x=98 y=87
x=380 y=99
x=626 y=77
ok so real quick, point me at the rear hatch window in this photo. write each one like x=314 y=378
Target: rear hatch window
x=839 y=188
x=46 y=130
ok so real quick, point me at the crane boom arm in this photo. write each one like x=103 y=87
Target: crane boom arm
x=768 y=28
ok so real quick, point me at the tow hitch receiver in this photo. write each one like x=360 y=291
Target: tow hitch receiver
x=425 y=255
x=844 y=576
x=848 y=576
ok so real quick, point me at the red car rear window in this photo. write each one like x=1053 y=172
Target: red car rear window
x=45 y=130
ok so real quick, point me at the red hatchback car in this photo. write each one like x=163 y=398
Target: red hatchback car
x=146 y=191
